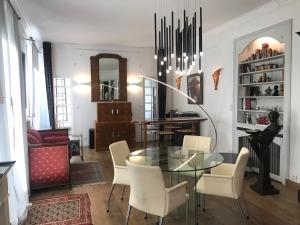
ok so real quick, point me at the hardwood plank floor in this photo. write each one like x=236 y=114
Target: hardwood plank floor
x=280 y=209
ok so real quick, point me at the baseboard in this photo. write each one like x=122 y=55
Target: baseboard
x=293 y=185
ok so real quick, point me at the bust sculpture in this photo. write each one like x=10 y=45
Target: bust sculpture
x=260 y=141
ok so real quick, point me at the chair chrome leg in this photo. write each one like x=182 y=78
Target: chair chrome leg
x=187 y=212
x=161 y=221
x=111 y=190
x=128 y=214
x=246 y=205
x=123 y=192
x=241 y=210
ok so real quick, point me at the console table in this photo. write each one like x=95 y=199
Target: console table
x=193 y=120
x=4 y=208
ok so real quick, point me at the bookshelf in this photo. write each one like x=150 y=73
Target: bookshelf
x=262 y=83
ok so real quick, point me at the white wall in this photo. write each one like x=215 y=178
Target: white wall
x=219 y=52
x=74 y=61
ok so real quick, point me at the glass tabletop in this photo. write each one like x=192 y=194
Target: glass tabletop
x=176 y=158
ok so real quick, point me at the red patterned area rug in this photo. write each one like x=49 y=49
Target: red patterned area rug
x=64 y=210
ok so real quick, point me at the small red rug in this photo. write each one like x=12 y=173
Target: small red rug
x=64 y=210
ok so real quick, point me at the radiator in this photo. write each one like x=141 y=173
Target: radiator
x=253 y=162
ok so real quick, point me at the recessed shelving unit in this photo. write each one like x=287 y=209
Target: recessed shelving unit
x=262 y=83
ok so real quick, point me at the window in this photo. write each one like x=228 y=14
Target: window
x=62 y=99
x=150 y=99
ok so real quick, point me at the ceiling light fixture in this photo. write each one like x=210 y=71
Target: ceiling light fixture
x=180 y=43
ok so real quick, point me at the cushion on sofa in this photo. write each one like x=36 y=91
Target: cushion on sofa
x=55 y=139
x=36 y=134
x=53 y=133
x=32 y=139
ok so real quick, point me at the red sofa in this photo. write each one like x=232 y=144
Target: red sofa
x=49 y=159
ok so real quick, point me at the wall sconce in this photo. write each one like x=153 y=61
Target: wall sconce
x=134 y=84
x=83 y=88
x=85 y=83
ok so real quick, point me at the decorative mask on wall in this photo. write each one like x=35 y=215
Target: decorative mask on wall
x=178 y=82
x=216 y=76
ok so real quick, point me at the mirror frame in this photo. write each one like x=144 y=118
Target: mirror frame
x=95 y=77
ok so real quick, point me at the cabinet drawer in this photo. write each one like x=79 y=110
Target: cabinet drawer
x=103 y=135
x=108 y=133
x=123 y=111
x=114 y=111
x=105 y=112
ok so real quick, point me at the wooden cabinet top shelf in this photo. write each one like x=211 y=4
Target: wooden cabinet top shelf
x=262 y=71
x=263 y=59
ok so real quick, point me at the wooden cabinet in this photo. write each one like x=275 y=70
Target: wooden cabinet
x=114 y=124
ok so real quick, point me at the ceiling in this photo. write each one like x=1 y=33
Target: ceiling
x=115 y=22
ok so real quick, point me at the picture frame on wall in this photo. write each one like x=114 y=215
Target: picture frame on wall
x=195 y=88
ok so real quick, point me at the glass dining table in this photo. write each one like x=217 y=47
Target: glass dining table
x=178 y=160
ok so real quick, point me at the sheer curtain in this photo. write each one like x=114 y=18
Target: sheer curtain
x=13 y=144
x=37 y=107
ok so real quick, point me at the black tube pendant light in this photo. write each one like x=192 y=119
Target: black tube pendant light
x=178 y=45
x=155 y=37
x=200 y=41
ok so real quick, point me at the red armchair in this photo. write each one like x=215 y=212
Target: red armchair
x=49 y=160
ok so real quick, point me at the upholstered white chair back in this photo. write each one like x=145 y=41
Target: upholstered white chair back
x=239 y=171
x=193 y=142
x=147 y=189
x=119 y=152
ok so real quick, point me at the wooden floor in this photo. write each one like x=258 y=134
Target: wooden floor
x=281 y=209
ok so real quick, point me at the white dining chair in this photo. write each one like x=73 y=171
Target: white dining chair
x=226 y=180
x=119 y=151
x=199 y=143
x=196 y=143
x=149 y=194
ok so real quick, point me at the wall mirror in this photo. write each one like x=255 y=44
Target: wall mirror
x=108 y=78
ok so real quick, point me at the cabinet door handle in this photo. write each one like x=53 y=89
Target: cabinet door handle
x=113 y=134
x=118 y=134
x=117 y=112
x=112 y=112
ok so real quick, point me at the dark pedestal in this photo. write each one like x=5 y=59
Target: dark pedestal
x=260 y=141
x=263 y=185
